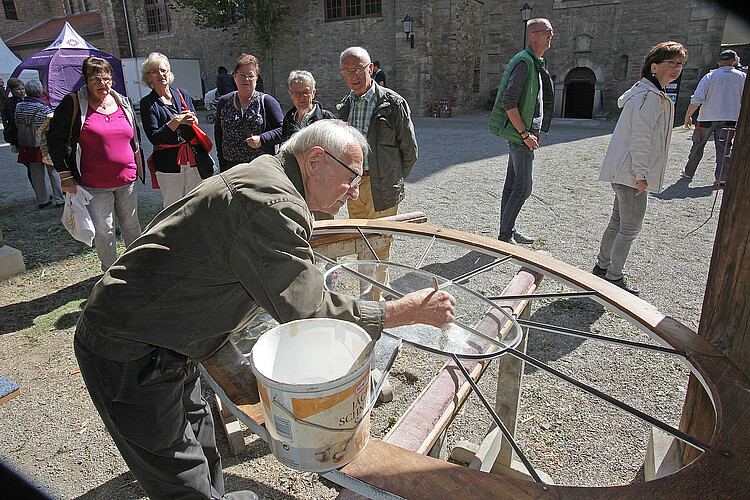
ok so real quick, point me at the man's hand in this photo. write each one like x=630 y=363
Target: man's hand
x=532 y=142
x=688 y=121
x=426 y=306
x=640 y=186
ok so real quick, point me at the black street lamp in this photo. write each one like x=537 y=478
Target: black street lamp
x=525 y=15
x=407 y=29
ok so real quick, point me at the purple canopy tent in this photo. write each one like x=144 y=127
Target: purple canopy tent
x=59 y=65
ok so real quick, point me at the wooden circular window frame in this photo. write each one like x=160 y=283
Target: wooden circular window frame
x=720 y=472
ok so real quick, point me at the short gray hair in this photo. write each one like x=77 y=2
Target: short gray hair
x=301 y=76
x=34 y=88
x=335 y=136
x=359 y=52
x=155 y=58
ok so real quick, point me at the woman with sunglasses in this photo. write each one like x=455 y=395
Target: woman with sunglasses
x=93 y=141
x=637 y=157
x=167 y=115
x=248 y=122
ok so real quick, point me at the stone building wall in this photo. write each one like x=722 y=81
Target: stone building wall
x=610 y=39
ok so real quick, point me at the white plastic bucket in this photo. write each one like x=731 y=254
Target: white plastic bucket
x=312 y=402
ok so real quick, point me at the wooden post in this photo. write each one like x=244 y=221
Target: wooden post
x=725 y=317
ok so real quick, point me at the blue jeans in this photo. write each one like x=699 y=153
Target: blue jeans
x=628 y=212
x=105 y=203
x=517 y=188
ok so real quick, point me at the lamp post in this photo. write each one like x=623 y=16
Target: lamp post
x=525 y=15
x=407 y=29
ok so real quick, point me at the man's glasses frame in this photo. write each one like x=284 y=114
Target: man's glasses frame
x=360 y=70
x=358 y=177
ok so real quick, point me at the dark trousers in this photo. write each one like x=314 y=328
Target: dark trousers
x=153 y=409
x=517 y=188
x=723 y=133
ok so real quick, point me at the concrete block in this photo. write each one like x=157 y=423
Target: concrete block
x=11 y=262
x=464 y=451
x=663 y=455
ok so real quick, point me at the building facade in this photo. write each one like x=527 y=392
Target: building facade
x=459 y=50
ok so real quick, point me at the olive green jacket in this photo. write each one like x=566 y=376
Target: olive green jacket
x=207 y=264
x=393 y=146
x=500 y=124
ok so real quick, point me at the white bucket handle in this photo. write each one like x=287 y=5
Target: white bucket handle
x=313 y=424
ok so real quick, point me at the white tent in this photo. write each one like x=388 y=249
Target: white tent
x=8 y=61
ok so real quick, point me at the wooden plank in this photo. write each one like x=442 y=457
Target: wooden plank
x=419 y=477
x=8 y=389
x=229 y=368
x=232 y=428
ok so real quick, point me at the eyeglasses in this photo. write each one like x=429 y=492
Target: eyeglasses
x=674 y=64
x=304 y=93
x=246 y=76
x=357 y=177
x=359 y=70
x=100 y=79
x=161 y=71
x=548 y=30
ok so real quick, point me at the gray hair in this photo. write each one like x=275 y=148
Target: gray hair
x=301 y=76
x=34 y=88
x=335 y=136
x=359 y=52
x=154 y=59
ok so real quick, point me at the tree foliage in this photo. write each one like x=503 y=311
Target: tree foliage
x=263 y=16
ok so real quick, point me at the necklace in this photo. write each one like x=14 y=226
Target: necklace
x=106 y=117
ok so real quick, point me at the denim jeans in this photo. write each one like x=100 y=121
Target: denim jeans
x=517 y=188
x=628 y=212
x=37 y=173
x=105 y=203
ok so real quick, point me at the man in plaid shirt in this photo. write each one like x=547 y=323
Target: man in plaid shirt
x=384 y=118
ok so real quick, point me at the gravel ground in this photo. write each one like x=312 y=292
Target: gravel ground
x=53 y=434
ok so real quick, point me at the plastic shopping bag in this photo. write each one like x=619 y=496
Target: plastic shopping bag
x=76 y=217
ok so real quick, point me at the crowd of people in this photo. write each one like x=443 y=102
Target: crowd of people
x=226 y=246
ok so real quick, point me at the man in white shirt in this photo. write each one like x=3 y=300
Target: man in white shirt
x=719 y=95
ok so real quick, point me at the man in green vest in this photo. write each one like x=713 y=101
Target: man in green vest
x=523 y=109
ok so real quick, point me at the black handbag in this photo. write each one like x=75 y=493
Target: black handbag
x=203 y=161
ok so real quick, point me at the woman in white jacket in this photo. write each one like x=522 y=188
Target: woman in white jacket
x=637 y=157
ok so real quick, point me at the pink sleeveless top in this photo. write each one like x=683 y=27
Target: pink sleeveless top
x=107 y=159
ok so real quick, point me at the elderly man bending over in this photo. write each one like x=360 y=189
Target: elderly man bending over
x=202 y=270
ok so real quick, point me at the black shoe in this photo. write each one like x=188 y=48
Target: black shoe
x=686 y=177
x=45 y=205
x=522 y=239
x=510 y=240
x=623 y=283
x=598 y=271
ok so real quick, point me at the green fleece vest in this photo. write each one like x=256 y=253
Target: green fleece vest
x=500 y=124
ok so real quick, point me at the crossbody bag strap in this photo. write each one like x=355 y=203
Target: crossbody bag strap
x=75 y=112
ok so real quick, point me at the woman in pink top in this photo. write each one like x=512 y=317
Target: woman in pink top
x=93 y=141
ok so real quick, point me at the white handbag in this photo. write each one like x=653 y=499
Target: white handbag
x=76 y=217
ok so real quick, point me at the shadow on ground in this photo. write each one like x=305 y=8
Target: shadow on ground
x=15 y=317
x=578 y=314
x=681 y=190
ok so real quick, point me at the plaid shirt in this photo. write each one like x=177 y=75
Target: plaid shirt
x=361 y=112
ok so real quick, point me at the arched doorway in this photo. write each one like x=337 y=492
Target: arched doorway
x=579 y=93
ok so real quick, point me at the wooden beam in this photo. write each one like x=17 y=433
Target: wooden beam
x=725 y=317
